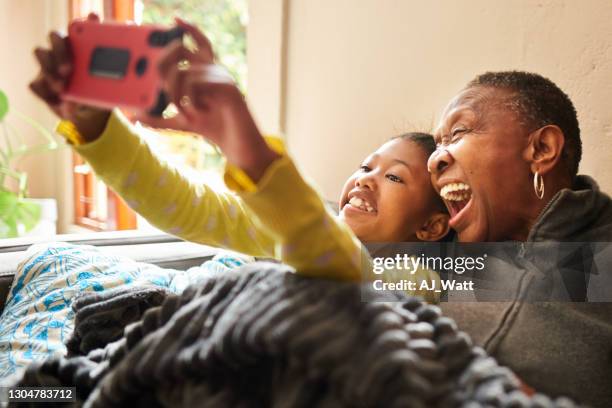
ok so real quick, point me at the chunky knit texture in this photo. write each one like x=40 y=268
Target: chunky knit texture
x=263 y=336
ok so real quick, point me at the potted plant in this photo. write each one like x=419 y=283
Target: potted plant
x=18 y=214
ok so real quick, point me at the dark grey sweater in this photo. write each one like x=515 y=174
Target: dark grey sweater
x=563 y=345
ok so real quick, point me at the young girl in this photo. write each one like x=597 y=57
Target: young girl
x=271 y=211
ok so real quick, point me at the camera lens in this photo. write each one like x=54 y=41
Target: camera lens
x=163 y=38
x=157 y=39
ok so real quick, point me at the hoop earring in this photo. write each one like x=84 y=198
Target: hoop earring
x=538 y=185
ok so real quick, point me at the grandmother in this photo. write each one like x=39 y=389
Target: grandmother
x=509 y=144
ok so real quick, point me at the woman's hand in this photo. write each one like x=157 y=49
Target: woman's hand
x=210 y=104
x=55 y=70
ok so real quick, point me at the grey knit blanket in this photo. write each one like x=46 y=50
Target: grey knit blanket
x=262 y=336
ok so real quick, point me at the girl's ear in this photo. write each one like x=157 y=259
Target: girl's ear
x=435 y=228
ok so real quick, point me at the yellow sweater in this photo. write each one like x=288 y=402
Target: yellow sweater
x=281 y=217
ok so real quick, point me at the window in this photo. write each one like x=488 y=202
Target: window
x=225 y=21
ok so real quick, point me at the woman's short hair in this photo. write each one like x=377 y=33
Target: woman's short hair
x=539 y=102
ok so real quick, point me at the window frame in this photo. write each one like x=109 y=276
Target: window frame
x=118 y=215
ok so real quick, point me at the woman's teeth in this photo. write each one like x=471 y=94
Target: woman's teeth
x=361 y=204
x=456 y=192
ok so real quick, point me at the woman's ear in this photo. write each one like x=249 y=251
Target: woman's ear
x=545 y=148
x=435 y=228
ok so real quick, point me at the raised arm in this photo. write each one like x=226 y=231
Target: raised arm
x=122 y=159
x=310 y=238
x=166 y=198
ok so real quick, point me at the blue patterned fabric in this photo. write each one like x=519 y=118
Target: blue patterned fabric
x=38 y=315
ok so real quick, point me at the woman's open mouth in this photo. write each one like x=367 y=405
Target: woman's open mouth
x=456 y=196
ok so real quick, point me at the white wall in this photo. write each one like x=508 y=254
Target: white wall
x=360 y=71
x=25 y=24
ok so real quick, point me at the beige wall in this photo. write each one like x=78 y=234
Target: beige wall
x=25 y=24
x=360 y=71
x=339 y=77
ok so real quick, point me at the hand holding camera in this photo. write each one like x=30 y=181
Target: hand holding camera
x=56 y=67
x=209 y=103
x=143 y=68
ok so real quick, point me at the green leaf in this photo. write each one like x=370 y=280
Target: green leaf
x=16 y=216
x=4 y=105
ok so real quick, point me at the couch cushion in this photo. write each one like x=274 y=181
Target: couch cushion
x=162 y=250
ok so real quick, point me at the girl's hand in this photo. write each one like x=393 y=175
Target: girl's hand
x=210 y=104
x=55 y=70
